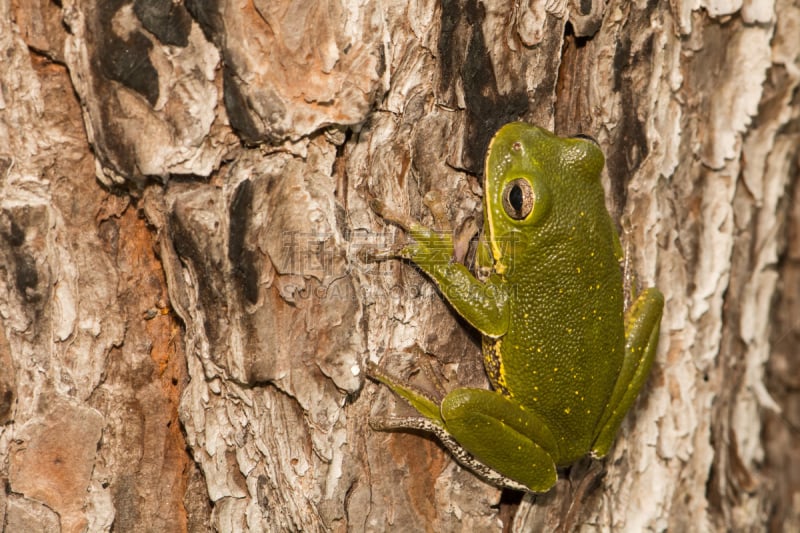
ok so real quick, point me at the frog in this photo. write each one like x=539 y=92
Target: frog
x=565 y=349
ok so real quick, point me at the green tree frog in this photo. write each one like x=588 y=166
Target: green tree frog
x=565 y=361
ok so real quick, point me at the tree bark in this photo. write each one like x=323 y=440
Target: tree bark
x=187 y=319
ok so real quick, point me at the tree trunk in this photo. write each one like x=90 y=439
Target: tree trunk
x=187 y=319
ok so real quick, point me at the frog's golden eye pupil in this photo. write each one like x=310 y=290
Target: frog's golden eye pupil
x=518 y=198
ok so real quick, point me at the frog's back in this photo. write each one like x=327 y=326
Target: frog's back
x=568 y=332
x=565 y=343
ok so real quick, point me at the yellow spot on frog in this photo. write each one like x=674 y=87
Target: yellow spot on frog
x=566 y=410
x=501 y=371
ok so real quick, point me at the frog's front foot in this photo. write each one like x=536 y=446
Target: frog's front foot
x=387 y=213
x=373 y=254
x=429 y=249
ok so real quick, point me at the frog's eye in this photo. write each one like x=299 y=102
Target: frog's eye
x=586 y=137
x=518 y=198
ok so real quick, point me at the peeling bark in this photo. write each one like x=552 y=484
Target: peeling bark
x=184 y=192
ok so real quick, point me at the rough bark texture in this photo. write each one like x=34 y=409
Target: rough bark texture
x=184 y=191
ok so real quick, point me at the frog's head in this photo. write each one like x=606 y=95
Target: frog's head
x=528 y=171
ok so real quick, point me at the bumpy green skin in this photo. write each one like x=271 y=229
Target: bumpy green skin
x=565 y=363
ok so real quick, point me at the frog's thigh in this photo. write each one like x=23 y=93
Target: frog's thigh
x=502 y=435
x=641 y=340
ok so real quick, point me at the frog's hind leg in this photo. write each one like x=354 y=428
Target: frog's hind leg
x=478 y=409
x=464 y=457
x=642 y=325
x=490 y=434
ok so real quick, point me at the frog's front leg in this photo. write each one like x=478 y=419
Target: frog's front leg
x=642 y=324
x=482 y=304
x=488 y=433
